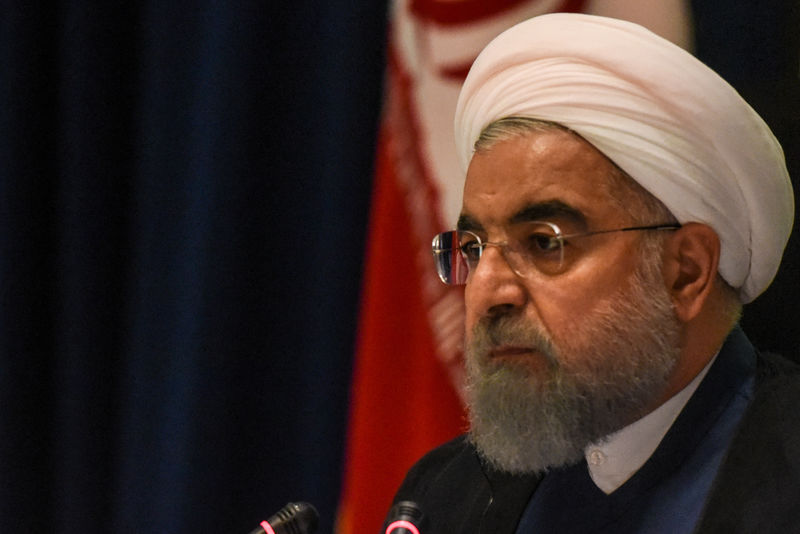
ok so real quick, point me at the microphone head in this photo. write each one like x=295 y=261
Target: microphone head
x=405 y=517
x=295 y=518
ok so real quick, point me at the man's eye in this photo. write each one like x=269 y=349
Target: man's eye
x=471 y=250
x=540 y=242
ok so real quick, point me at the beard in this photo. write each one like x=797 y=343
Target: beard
x=610 y=371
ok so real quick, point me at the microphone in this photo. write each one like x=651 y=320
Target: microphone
x=405 y=517
x=294 y=518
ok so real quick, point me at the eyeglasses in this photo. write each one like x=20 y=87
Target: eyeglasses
x=533 y=246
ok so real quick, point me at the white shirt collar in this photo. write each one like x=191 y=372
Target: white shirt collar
x=616 y=458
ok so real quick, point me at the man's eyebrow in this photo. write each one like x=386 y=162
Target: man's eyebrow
x=548 y=211
x=465 y=222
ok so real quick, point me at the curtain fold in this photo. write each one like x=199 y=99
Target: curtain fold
x=183 y=197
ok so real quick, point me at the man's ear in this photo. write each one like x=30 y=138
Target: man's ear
x=690 y=267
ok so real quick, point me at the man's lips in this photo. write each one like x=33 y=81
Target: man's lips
x=511 y=351
x=530 y=358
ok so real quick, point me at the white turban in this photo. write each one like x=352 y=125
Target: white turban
x=660 y=114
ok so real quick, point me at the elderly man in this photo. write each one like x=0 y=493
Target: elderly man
x=621 y=203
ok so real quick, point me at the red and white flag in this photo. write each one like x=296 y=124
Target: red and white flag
x=406 y=390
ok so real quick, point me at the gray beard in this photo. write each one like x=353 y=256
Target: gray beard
x=622 y=356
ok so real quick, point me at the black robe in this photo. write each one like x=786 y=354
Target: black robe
x=756 y=490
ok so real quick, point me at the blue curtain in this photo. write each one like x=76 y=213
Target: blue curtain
x=183 y=198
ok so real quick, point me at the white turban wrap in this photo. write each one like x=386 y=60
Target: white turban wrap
x=660 y=114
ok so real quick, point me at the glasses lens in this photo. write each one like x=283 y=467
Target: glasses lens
x=451 y=264
x=534 y=246
x=538 y=246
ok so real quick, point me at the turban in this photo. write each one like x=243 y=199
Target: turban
x=657 y=112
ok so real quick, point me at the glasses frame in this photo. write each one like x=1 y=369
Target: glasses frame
x=504 y=245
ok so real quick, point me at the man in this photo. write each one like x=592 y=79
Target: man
x=621 y=203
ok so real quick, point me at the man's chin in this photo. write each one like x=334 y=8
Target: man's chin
x=517 y=460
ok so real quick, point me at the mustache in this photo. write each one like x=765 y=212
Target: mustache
x=496 y=331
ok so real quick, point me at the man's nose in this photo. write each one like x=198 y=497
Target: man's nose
x=493 y=284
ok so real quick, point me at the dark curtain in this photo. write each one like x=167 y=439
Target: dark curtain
x=755 y=45
x=183 y=198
